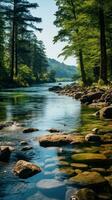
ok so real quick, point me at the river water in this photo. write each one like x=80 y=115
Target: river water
x=38 y=108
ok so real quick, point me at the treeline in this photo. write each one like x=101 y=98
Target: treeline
x=22 y=55
x=86 y=26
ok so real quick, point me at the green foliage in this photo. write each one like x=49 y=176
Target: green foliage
x=25 y=76
x=86 y=26
x=22 y=56
x=51 y=76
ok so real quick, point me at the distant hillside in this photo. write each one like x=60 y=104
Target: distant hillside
x=62 y=71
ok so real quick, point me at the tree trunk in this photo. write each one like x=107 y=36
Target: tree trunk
x=12 y=52
x=16 y=56
x=103 y=70
x=83 y=74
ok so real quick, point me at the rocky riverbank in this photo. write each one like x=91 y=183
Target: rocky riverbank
x=93 y=165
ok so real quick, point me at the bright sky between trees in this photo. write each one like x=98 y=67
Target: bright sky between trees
x=46 y=11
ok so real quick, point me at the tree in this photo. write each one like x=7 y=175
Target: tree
x=66 y=19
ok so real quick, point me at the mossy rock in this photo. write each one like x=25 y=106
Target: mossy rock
x=90 y=158
x=91 y=180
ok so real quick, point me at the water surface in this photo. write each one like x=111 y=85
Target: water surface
x=38 y=108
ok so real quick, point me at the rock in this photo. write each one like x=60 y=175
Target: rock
x=92 y=180
x=109 y=179
x=30 y=130
x=90 y=158
x=78 y=95
x=88 y=99
x=6 y=124
x=67 y=171
x=5 y=153
x=95 y=130
x=26 y=148
x=63 y=163
x=98 y=105
x=108 y=153
x=61 y=139
x=106 y=113
x=99 y=170
x=84 y=194
x=25 y=169
x=107 y=138
x=105 y=196
x=53 y=130
x=49 y=184
x=93 y=138
x=23 y=143
x=79 y=166
x=55 y=88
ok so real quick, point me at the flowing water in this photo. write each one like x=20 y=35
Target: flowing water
x=38 y=108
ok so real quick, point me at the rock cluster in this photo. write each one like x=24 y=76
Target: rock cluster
x=92 y=96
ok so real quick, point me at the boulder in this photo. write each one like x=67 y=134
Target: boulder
x=90 y=158
x=30 y=130
x=106 y=113
x=5 y=153
x=88 y=98
x=61 y=139
x=84 y=194
x=93 y=138
x=25 y=169
x=91 y=180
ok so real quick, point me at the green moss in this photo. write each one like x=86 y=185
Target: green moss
x=89 y=121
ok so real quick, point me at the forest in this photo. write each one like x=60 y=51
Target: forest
x=22 y=56
x=55 y=116
x=86 y=27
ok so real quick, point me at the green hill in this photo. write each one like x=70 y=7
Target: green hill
x=62 y=71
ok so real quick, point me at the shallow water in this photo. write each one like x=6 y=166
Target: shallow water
x=38 y=108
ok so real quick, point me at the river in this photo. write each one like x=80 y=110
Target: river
x=38 y=108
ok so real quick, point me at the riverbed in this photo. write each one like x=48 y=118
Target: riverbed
x=36 y=107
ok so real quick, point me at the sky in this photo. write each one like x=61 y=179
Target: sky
x=46 y=11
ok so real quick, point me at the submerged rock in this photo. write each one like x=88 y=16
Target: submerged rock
x=49 y=184
x=25 y=169
x=30 y=130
